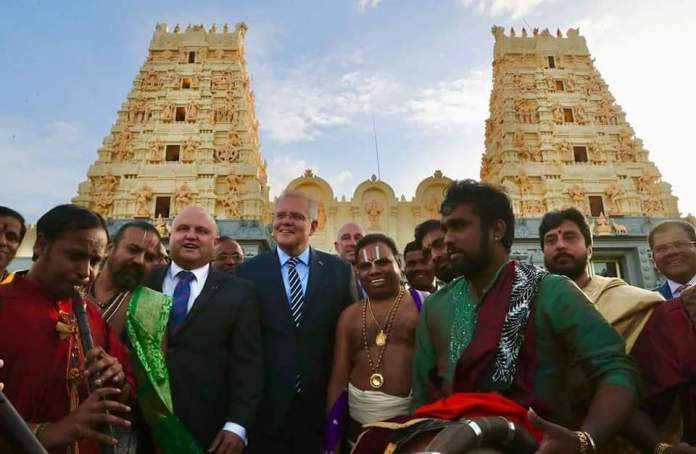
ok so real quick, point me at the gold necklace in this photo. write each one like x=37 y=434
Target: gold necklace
x=377 y=379
x=381 y=338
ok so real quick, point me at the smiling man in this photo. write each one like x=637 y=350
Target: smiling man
x=418 y=269
x=12 y=231
x=375 y=339
x=213 y=349
x=673 y=246
x=302 y=293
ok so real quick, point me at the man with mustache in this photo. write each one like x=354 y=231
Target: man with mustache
x=374 y=340
x=46 y=370
x=431 y=237
x=418 y=269
x=228 y=254
x=566 y=241
x=516 y=330
x=12 y=231
x=131 y=255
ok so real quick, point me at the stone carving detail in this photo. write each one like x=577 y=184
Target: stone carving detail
x=525 y=110
x=577 y=196
x=373 y=209
x=321 y=216
x=156 y=154
x=151 y=81
x=533 y=208
x=227 y=152
x=603 y=227
x=183 y=197
x=613 y=193
x=191 y=112
x=104 y=190
x=189 y=152
x=167 y=113
x=120 y=148
x=432 y=205
x=580 y=115
x=557 y=112
x=162 y=228
x=143 y=197
x=138 y=111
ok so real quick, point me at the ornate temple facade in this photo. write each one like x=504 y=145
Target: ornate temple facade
x=186 y=134
x=556 y=138
x=374 y=205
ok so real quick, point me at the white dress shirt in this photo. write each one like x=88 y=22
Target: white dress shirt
x=674 y=286
x=200 y=275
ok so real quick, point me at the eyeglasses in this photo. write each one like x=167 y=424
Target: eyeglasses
x=294 y=217
x=677 y=246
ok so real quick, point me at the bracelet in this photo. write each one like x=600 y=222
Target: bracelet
x=39 y=429
x=661 y=448
x=587 y=444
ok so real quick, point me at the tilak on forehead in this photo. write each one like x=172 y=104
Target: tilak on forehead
x=377 y=254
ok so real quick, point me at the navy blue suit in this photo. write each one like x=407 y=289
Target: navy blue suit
x=289 y=422
x=664 y=290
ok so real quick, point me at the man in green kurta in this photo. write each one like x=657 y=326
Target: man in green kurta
x=515 y=329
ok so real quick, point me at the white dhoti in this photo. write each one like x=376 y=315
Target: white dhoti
x=367 y=407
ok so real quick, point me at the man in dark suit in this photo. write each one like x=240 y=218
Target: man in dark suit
x=302 y=293
x=673 y=246
x=213 y=351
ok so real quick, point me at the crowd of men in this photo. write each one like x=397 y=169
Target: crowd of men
x=300 y=351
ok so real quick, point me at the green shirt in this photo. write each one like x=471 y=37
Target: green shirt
x=568 y=331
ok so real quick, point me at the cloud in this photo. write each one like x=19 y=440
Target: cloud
x=282 y=169
x=305 y=101
x=342 y=177
x=363 y=5
x=454 y=104
x=44 y=163
x=515 y=9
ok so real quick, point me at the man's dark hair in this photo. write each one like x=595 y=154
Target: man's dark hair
x=225 y=238
x=553 y=219
x=142 y=225
x=410 y=247
x=424 y=228
x=373 y=238
x=487 y=201
x=66 y=218
x=6 y=212
x=665 y=225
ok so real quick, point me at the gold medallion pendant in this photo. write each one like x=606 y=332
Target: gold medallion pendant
x=376 y=380
x=381 y=338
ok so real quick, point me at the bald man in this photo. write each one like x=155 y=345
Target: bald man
x=347 y=238
x=213 y=354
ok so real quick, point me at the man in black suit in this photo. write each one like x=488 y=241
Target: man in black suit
x=213 y=353
x=302 y=293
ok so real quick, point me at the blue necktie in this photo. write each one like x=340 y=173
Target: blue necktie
x=181 y=295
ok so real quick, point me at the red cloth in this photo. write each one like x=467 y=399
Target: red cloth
x=36 y=358
x=476 y=362
x=476 y=405
x=666 y=355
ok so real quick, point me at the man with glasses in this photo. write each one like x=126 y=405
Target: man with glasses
x=673 y=246
x=302 y=293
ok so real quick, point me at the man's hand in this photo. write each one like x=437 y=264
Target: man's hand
x=557 y=439
x=105 y=369
x=227 y=443
x=688 y=297
x=84 y=422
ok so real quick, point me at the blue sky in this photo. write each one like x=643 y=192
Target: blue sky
x=322 y=71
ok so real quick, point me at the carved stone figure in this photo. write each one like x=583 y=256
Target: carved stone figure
x=151 y=81
x=570 y=83
x=321 y=216
x=525 y=110
x=231 y=206
x=189 y=152
x=191 y=112
x=603 y=227
x=373 y=209
x=533 y=208
x=183 y=197
x=518 y=139
x=143 y=196
x=220 y=83
x=234 y=183
x=161 y=226
x=108 y=183
x=102 y=203
x=156 y=154
x=523 y=184
x=580 y=115
x=577 y=196
x=167 y=113
x=138 y=111
x=432 y=205
x=645 y=183
x=121 y=147
x=619 y=229
x=175 y=81
x=557 y=112
x=613 y=193
x=226 y=152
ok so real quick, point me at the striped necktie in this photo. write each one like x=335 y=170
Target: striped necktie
x=296 y=293
x=296 y=303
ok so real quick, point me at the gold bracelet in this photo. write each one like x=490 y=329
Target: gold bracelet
x=661 y=448
x=39 y=429
x=587 y=444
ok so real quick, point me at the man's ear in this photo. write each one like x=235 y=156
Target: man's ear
x=40 y=246
x=498 y=230
x=313 y=226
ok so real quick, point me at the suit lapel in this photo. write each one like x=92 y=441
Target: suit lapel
x=211 y=286
x=314 y=283
x=666 y=291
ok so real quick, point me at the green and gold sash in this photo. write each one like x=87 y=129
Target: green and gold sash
x=146 y=323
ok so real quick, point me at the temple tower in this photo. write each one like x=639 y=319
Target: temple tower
x=186 y=134
x=556 y=137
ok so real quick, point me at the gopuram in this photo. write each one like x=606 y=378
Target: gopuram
x=186 y=134
x=556 y=138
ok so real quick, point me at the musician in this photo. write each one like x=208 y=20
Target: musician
x=47 y=370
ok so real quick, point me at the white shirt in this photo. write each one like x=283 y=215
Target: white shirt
x=200 y=275
x=673 y=286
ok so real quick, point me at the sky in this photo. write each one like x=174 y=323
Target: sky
x=327 y=75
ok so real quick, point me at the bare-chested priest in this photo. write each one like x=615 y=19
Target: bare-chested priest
x=375 y=340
